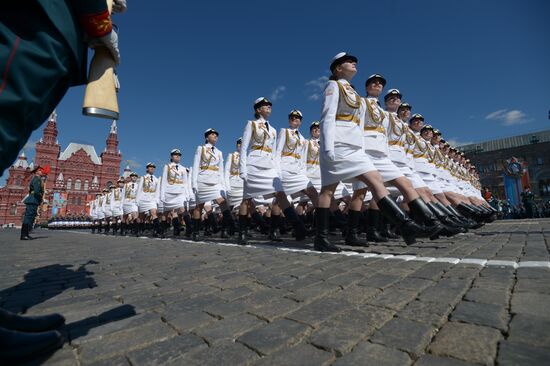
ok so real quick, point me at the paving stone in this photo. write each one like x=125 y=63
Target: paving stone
x=114 y=361
x=312 y=293
x=229 y=328
x=513 y=354
x=435 y=313
x=489 y=315
x=301 y=355
x=393 y=298
x=431 y=271
x=269 y=338
x=414 y=283
x=405 y=334
x=356 y=294
x=223 y=353
x=531 y=330
x=367 y=353
x=430 y=360
x=488 y=296
x=167 y=351
x=122 y=341
x=185 y=321
x=536 y=285
x=471 y=343
x=380 y=281
x=318 y=311
x=278 y=308
x=531 y=303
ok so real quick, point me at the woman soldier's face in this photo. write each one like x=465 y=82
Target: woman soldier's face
x=316 y=132
x=264 y=111
x=294 y=122
x=347 y=70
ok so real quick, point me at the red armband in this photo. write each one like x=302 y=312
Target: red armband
x=96 y=25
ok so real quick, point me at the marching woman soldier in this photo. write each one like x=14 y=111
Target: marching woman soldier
x=129 y=204
x=99 y=211
x=313 y=169
x=208 y=180
x=259 y=168
x=343 y=157
x=396 y=134
x=116 y=204
x=107 y=209
x=233 y=182
x=291 y=153
x=376 y=147
x=147 y=196
x=174 y=189
x=93 y=213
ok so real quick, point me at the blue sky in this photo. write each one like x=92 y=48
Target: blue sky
x=475 y=69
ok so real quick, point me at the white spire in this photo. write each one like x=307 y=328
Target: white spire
x=113 y=127
x=95 y=180
x=53 y=116
x=60 y=177
x=23 y=154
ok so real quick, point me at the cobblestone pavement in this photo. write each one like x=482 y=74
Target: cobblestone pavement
x=478 y=298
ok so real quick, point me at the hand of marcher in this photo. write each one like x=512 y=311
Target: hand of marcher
x=119 y=6
x=110 y=41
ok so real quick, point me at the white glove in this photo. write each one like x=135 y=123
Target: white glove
x=330 y=155
x=119 y=6
x=110 y=41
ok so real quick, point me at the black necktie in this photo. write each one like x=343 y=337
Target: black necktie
x=176 y=167
x=132 y=185
x=267 y=125
x=212 y=148
x=151 y=178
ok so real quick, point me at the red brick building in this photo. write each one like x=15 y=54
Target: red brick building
x=76 y=173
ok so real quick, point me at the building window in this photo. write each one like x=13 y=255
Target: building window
x=69 y=183
x=13 y=209
x=540 y=160
x=86 y=185
x=78 y=201
x=77 y=185
x=18 y=181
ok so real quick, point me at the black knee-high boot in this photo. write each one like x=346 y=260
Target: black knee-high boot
x=429 y=226
x=176 y=226
x=243 y=230
x=196 y=228
x=274 y=223
x=261 y=221
x=156 y=227
x=299 y=228
x=394 y=214
x=352 y=236
x=321 y=242
x=135 y=228
x=450 y=228
x=228 y=222
x=188 y=225
x=373 y=222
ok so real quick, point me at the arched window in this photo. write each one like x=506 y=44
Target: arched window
x=86 y=185
x=13 y=209
x=18 y=181
x=69 y=183
x=77 y=185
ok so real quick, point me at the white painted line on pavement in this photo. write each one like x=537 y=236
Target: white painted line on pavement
x=386 y=256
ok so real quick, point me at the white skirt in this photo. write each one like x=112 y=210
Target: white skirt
x=100 y=215
x=107 y=212
x=343 y=190
x=117 y=211
x=315 y=182
x=129 y=207
x=145 y=206
x=261 y=182
x=349 y=163
x=294 y=182
x=431 y=182
x=174 y=201
x=411 y=175
x=209 y=192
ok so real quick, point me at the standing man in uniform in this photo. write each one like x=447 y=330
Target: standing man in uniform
x=33 y=200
